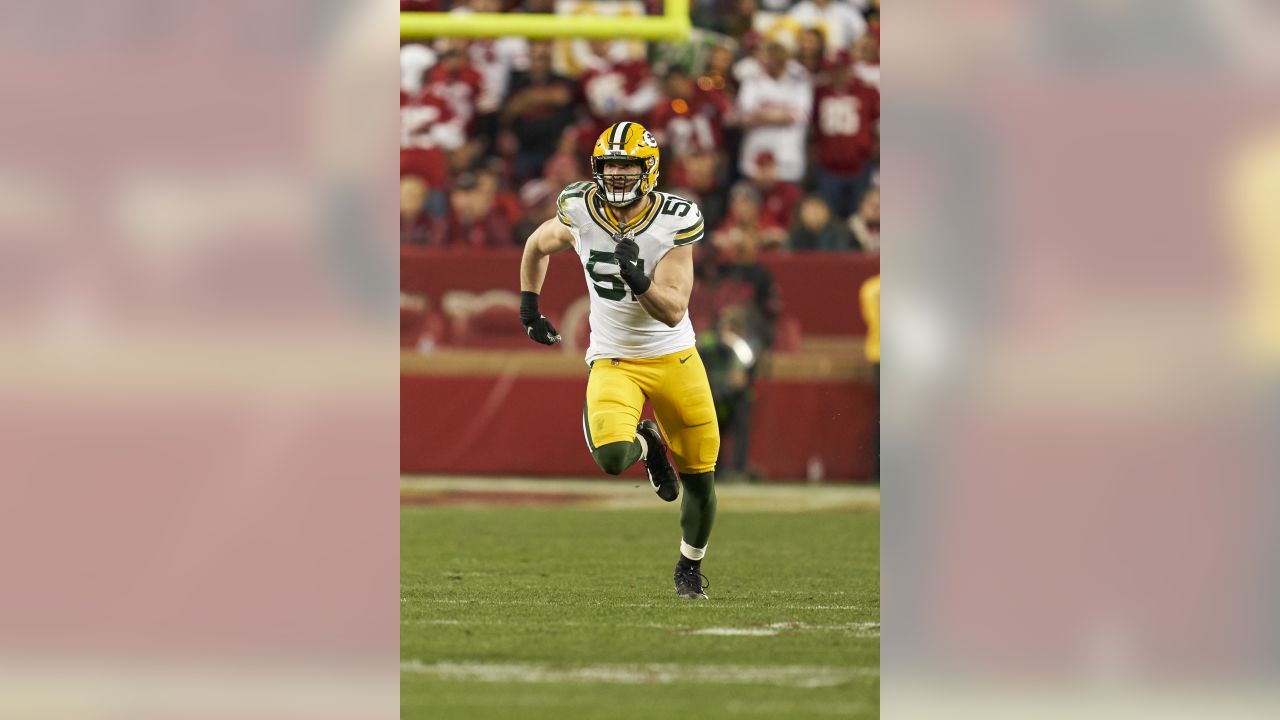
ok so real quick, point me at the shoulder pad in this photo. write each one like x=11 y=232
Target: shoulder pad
x=688 y=223
x=575 y=190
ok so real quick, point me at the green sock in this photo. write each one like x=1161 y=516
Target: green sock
x=697 y=507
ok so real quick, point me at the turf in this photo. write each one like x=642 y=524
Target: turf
x=570 y=613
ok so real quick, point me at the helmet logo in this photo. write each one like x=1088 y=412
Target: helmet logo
x=648 y=139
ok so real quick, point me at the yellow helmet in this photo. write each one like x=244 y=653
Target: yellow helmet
x=626 y=141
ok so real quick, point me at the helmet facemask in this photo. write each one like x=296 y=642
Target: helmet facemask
x=622 y=185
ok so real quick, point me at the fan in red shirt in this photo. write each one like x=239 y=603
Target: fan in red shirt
x=617 y=87
x=778 y=200
x=846 y=116
x=471 y=221
x=745 y=229
x=457 y=82
x=689 y=116
x=428 y=130
x=505 y=203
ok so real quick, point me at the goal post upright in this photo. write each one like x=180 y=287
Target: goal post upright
x=673 y=24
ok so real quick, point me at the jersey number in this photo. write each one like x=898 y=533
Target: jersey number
x=672 y=206
x=609 y=287
x=839 y=116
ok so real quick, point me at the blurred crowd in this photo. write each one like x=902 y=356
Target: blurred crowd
x=767 y=117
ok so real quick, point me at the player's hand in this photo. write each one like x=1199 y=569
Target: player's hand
x=627 y=252
x=542 y=331
x=536 y=325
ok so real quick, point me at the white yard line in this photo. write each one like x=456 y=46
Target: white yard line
x=862 y=630
x=648 y=674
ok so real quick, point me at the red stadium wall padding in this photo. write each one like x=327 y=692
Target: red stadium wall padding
x=818 y=289
x=523 y=425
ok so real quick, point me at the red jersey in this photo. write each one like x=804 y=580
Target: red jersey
x=778 y=204
x=844 y=125
x=460 y=88
x=697 y=122
x=507 y=205
x=612 y=90
x=423 y=131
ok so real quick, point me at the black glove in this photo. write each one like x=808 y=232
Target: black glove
x=538 y=327
x=627 y=252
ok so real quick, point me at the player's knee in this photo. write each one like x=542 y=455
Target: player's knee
x=613 y=458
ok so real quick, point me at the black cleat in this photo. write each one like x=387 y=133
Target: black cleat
x=661 y=475
x=689 y=582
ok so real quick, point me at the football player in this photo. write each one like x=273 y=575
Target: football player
x=636 y=248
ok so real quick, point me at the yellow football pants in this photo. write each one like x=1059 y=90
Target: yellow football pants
x=676 y=385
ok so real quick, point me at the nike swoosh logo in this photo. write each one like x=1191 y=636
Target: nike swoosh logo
x=686 y=358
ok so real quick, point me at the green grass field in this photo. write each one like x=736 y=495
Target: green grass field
x=567 y=611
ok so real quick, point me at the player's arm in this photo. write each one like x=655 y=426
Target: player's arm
x=550 y=238
x=666 y=297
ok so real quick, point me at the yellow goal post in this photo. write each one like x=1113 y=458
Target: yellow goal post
x=673 y=24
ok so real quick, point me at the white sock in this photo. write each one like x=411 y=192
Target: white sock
x=644 y=447
x=692 y=552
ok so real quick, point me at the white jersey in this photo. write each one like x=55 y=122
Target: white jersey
x=620 y=327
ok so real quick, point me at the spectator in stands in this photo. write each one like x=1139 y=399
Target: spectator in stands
x=744 y=233
x=688 y=115
x=428 y=131
x=579 y=139
x=567 y=165
x=540 y=107
x=774 y=108
x=471 y=221
x=617 y=87
x=866 y=55
x=719 y=73
x=737 y=21
x=504 y=202
x=842 y=21
x=414 y=221
x=846 y=116
x=812 y=51
x=816 y=229
x=538 y=198
x=778 y=200
x=866 y=224
x=456 y=81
